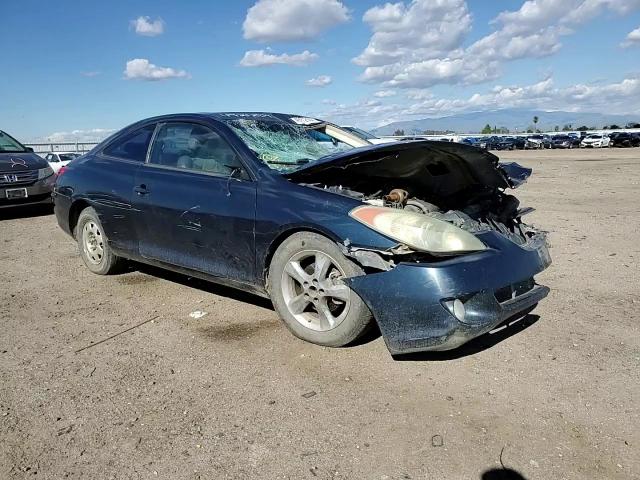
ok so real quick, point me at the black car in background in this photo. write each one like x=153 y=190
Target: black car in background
x=506 y=143
x=624 y=139
x=519 y=142
x=25 y=178
x=491 y=143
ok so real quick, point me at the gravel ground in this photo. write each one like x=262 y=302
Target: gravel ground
x=233 y=395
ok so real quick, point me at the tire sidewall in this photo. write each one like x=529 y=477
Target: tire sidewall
x=358 y=318
x=108 y=261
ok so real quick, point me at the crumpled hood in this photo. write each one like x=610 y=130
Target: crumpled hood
x=17 y=162
x=441 y=168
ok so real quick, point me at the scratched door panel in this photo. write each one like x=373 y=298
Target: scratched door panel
x=108 y=186
x=198 y=221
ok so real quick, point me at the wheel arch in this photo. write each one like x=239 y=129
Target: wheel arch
x=281 y=238
x=74 y=213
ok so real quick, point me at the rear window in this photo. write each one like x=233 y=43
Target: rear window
x=132 y=146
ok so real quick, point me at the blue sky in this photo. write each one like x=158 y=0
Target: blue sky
x=78 y=69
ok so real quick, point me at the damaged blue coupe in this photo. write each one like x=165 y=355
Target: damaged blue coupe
x=419 y=237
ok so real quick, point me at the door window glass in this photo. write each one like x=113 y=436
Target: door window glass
x=132 y=146
x=193 y=147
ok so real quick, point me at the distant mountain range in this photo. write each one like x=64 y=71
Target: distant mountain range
x=513 y=119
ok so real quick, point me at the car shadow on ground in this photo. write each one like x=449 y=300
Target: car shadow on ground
x=502 y=474
x=483 y=342
x=27 y=211
x=508 y=328
x=205 y=286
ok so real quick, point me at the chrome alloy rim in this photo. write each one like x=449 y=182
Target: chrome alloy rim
x=313 y=290
x=92 y=242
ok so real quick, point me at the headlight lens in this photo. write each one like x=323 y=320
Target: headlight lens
x=418 y=231
x=45 y=172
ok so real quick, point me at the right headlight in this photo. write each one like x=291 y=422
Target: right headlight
x=45 y=172
x=417 y=230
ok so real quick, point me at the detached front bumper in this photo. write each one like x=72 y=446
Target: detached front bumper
x=410 y=301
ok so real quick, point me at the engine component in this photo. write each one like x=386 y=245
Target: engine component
x=397 y=197
x=420 y=206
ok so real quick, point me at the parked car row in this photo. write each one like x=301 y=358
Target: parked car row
x=562 y=141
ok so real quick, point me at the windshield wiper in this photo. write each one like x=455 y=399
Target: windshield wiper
x=300 y=161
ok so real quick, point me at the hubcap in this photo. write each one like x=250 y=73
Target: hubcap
x=313 y=291
x=92 y=242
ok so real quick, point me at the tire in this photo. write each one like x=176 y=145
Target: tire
x=93 y=245
x=319 y=317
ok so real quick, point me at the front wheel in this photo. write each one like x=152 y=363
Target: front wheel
x=307 y=291
x=94 y=247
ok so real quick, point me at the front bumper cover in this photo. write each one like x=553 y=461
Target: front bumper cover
x=37 y=193
x=408 y=301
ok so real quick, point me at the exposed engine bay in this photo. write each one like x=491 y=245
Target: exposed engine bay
x=489 y=211
x=455 y=183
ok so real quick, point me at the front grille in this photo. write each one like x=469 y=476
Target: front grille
x=514 y=290
x=20 y=178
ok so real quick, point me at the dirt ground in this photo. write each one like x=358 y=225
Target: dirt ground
x=233 y=395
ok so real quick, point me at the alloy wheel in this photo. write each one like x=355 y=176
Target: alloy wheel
x=313 y=291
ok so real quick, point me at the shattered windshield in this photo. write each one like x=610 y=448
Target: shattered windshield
x=285 y=147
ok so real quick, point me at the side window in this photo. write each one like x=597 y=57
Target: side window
x=193 y=147
x=49 y=158
x=132 y=146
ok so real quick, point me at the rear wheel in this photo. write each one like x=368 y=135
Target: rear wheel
x=94 y=247
x=306 y=287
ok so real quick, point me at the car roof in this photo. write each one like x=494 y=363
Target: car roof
x=293 y=119
x=226 y=116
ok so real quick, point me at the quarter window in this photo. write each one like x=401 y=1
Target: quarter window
x=132 y=146
x=193 y=147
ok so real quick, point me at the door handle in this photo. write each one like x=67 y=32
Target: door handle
x=141 y=189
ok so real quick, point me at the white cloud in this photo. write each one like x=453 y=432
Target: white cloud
x=615 y=98
x=292 y=20
x=384 y=93
x=423 y=30
x=365 y=113
x=632 y=39
x=146 y=27
x=319 y=81
x=261 y=58
x=91 y=135
x=420 y=44
x=590 y=9
x=142 y=69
